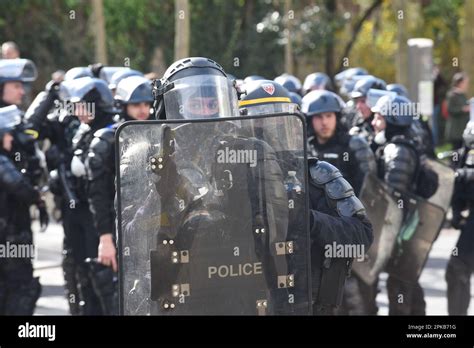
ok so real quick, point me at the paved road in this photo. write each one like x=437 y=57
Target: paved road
x=53 y=302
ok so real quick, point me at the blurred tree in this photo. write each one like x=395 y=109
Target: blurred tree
x=99 y=31
x=467 y=44
x=181 y=23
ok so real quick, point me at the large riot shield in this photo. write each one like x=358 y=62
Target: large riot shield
x=386 y=217
x=206 y=217
x=422 y=223
x=423 y=220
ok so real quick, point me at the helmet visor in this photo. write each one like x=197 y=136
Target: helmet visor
x=201 y=96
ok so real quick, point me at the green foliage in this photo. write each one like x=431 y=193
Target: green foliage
x=245 y=36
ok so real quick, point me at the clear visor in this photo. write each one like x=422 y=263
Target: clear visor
x=201 y=96
x=10 y=116
x=269 y=109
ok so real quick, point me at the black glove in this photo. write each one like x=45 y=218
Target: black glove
x=52 y=86
x=43 y=215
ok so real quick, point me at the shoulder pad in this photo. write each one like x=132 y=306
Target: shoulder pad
x=350 y=206
x=322 y=172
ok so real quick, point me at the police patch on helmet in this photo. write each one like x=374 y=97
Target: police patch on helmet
x=269 y=88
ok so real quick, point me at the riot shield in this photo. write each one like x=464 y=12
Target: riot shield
x=206 y=221
x=386 y=217
x=423 y=220
x=422 y=224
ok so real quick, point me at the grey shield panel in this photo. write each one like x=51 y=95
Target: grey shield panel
x=207 y=220
x=417 y=235
x=442 y=197
x=386 y=217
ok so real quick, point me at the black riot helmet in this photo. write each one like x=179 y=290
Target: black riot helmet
x=398 y=111
x=22 y=70
x=349 y=74
x=317 y=80
x=320 y=101
x=398 y=88
x=264 y=97
x=78 y=72
x=195 y=87
x=251 y=78
x=362 y=86
x=133 y=90
x=90 y=90
x=295 y=98
x=120 y=75
x=290 y=82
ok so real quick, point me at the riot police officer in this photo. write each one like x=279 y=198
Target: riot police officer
x=461 y=264
x=359 y=120
x=398 y=161
x=267 y=97
x=331 y=141
x=13 y=74
x=134 y=95
x=19 y=290
x=90 y=100
x=352 y=155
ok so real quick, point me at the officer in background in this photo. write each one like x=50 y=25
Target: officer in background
x=90 y=100
x=134 y=95
x=461 y=264
x=359 y=118
x=331 y=142
x=19 y=290
x=397 y=161
x=317 y=81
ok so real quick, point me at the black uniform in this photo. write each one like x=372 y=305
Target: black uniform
x=398 y=161
x=461 y=263
x=19 y=290
x=335 y=218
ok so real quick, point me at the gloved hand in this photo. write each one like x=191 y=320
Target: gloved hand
x=52 y=86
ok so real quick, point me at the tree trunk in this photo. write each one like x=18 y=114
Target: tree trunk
x=99 y=31
x=289 y=65
x=181 y=33
x=356 y=31
x=331 y=6
x=400 y=7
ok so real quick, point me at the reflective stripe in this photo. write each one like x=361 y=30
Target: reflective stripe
x=264 y=100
